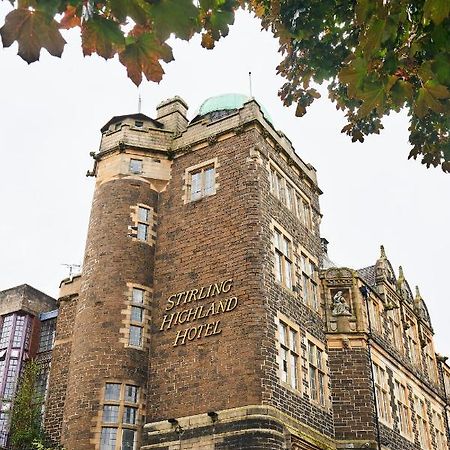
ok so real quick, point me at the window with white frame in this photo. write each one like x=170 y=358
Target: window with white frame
x=284 y=191
x=201 y=182
x=375 y=314
x=143 y=223
x=439 y=431
x=309 y=290
x=317 y=373
x=430 y=359
x=283 y=259
x=420 y=409
x=412 y=343
x=403 y=410
x=288 y=338
x=137 y=318
x=135 y=165
x=382 y=393
x=120 y=417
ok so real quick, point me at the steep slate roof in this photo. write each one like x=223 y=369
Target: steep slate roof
x=368 y=275
x=136 y=116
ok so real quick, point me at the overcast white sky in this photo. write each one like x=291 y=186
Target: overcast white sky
x=51 y=113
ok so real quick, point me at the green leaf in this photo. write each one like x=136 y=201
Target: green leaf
x=33 y=30
x=142 y=55
x=174 y=16
x=373 y=36
x=436 y=10
x=353 y=75
x=401 y=92
x=102 y=36
x=425 y=101
x=372 y=98
x=437 y=90
x=138 y=10
x=441 y=67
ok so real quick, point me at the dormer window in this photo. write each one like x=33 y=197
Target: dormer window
x=135 y=165
x=138 y=123
x=118 y=126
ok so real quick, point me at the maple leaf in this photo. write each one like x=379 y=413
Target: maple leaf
x=70 y=18
x=102 y=36
x=33 y=30
x=142 y=54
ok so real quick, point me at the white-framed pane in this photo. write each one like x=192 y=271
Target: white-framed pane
x=108 y=438
x=135 y=338
x=209 y=180
x=196 y=185
x=293 y=340
x=303 y=261
x=288 y=274
x=281 y=195
x=307 y=215
x=286 y=245
x=137 y=295
x=284 y=365
x=275 y=187
x=143 y=214
x=135 y=165
x=137 y=314
x=277 y=239
x=278 y=267
x=321 y=387
x=283 y=333
x=288 y=196
x=131 y=393
x=305 y=289
x=311 y=353
x=312 y=382
x=110 y=413
x=128 y=439
x=112 y=391
x=319 y=358
x=314 y=298
x=142 y=231
x=293 y=371
x=130 y=415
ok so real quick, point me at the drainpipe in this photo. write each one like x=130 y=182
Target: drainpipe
x=365 y=294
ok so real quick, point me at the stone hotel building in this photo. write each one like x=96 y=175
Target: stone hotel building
x=208 y=315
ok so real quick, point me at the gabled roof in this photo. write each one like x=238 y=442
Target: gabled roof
x=368 y=274
x=136 y=116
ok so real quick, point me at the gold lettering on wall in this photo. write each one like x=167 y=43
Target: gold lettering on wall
x=198 y=312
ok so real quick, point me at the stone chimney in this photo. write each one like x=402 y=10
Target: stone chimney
x=172 y=113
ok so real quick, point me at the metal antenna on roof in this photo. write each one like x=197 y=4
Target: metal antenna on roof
x=139 y=102
x=250 y=83
x=71 y=269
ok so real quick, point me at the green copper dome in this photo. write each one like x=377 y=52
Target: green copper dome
x=227 y=102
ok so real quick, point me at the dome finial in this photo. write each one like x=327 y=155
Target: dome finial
x=382 y=251
x=401 y=275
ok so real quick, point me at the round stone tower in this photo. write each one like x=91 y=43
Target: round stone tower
x=107 y=377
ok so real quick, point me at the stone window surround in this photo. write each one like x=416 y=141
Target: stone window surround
x=287 y=181
x=134 y=215
x=303 y=365
x=438 y=422
x=214 y=162
x=276 y=226
x=281 y=318
x=321 y=346
x=406 y=405
x=140 y=405
x=384 y=386
x=126 y=314
x=311 y=279
x=419 y=398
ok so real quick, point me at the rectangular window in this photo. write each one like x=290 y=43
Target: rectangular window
x=6 y=331
x=108 y=438
x=439 y=431
x=143 y=224
x=47 y=335
x=316 y=374
x=112 y=391
x=137 y=314
x=138 y=123
x=137 y=296
x=289 y=354
x=309 y=283
x=283 y=259
x=430 y=361
x=403 y=411
x=422 y=423
x=382 y=393
x=135 y=338
x=413 y=344
x=120 y=417
x=202 y=182
x=135 y=165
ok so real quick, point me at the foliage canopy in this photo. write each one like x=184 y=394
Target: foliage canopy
x=378 y=56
